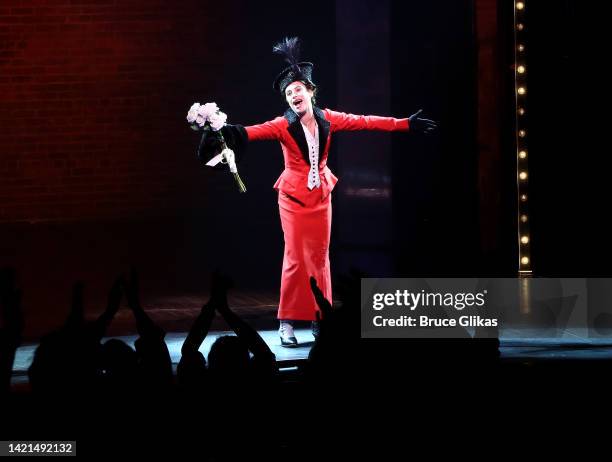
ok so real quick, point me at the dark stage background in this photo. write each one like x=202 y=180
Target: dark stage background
x=567 y=134
x=98 y=168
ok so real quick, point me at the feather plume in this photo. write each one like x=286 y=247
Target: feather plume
x=289 y=48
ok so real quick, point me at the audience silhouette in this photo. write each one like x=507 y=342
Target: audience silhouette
x=95 y=379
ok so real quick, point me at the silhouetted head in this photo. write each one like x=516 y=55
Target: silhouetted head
x=118 y=360
x=228 y=356
x=191 y=370
x=61 y=365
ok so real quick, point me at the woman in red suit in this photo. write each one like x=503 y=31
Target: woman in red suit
x=304 y=187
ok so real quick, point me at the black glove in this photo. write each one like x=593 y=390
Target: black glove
x=421 y=125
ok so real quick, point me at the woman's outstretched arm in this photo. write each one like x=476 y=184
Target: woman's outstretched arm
x=341 y=121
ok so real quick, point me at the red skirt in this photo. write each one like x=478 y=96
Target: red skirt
x=307 y=231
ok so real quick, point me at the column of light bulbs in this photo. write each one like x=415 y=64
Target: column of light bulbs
x=522 y=173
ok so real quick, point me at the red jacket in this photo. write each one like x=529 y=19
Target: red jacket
x=288 y=130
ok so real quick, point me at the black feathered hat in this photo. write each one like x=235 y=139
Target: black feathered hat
x=289 y=48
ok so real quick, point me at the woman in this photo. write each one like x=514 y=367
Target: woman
x=304 y=188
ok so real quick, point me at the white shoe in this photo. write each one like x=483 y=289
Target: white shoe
x=287 y=335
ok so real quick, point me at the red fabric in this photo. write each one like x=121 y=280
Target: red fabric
x=306 y=214
x=341 y=121
x=306 y=231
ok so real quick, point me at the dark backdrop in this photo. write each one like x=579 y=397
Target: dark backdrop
x=568 y=98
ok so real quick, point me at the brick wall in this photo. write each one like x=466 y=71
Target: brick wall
x=93 y=96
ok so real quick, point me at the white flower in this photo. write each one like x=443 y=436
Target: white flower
x=193 y=113
x=217 y=120
x=199 y=114
x=200 y=120
x=207 y=110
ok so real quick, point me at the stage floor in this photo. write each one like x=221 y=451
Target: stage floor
x=285 y=356
x=515 y=344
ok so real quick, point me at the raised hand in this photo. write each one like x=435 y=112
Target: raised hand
x=199 y=330
x=98 y=327
x=221 y=283
x=324 y=305
x=417 y=124
x=144 y=324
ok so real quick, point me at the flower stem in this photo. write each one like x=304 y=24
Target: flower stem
x=241 y=186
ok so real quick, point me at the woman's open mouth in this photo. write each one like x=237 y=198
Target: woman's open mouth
x=297 y=103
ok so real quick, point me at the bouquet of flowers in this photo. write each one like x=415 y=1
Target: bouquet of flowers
x=208 y=117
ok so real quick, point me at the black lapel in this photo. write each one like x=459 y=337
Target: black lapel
x=297 y=132
x=323 y=131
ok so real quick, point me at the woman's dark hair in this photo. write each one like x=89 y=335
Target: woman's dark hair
x=309 y=86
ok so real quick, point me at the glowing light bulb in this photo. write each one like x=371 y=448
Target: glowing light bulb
x=524 y=218
x=523 y=176
x=524 y=197
x=520 y=69
x=521 y=47
x=520 y=26
x=521 y=111
x=521 y=90
x=522 y=133
x=524 y=239
x=520 y=5
x=525 y=260
x=523 y=154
